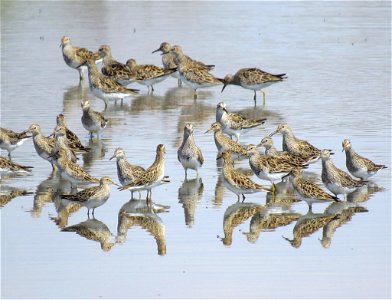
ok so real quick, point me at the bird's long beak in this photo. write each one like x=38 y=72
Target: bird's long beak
x=272 y=133
x=219 y=157
x=114 y=183
x=159 y=49
x=224 y=86
x=208 y=130
x=112 y=157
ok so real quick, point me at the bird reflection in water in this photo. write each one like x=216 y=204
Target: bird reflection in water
x=138 y=213
x=235 y=215
x=309 y=224
x=94 y=230
x=344 y=210
x=364 y=193
x=189 y=194
x=45 y=193
x=97 y=152
x=270 y=217
x=7 y=194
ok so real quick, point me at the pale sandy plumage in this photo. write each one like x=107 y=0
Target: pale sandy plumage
x=75 y=56
x=9 y=166
x=191 y=74
x=72 y=171
x=169 y=60
x=62 y=142
x=73 y=141
x=126 y=172
x=359 y=166
x=269 y=167
x=92 y=121
x=234 y=123
x=309 y=191
x=114 y=69
x=105 y=87
x=152 y=177
x=10 y=140
x=270 y=149
x=94 y=230
x=92 y=197
x=296 y=146
x=42 y=144
x=224 y=143
x=252 y=79
x=188 y=154
x=335 y=179
x=236 y=181
x=148 y=74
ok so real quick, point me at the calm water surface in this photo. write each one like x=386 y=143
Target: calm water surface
x=337 y=57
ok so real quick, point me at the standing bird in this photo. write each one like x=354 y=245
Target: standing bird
x=252 y=79
x=358 y=165
x=126 y=172
x=92 y=121
x=233 y=123
x=105 y=87
x=115 y=70
x=42 y=144
x=148 y=74
x=270 y=149
x=71 y=171
x=10 y=140
x=269 y=167
x=73 y=140
x=189 y=155
x=75 y=56
x=92 y=197
x=236 y=181
x=62 y=142
x=169 y=60
x=336 y=180
x=296 y=146
x=193 y=76
x=309 y=191
x=224 y=143
x=152 y=177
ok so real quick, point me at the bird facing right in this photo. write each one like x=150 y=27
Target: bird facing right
x=358 y=165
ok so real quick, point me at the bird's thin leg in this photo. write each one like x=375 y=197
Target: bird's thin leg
x=243 y=198
x=254 y=98
x=194 y=94
x=179 y=82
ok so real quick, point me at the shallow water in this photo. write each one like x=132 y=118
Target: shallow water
x=337 y=57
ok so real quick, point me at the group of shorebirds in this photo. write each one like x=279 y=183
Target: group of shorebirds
x=61 y=148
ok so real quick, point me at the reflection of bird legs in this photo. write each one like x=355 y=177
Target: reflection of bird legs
x=194 y=94
x=179 y=82
x=263 y=92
